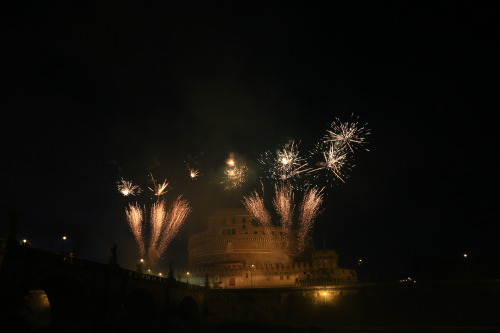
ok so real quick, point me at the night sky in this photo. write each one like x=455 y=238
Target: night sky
x=94 y=93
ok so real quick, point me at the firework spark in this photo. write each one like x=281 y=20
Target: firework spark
x=159 y=189
x=135 y=221
x=349 y=134
x=309 y=210
x=127 y=188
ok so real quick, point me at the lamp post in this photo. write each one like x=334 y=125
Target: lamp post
x=62 y=245
x=251 y=276
x=139 y=265
x=187 y=277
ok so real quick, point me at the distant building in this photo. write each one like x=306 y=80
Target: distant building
x=235 y=252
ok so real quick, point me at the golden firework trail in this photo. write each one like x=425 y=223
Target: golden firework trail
x=255 y=205
x=176 y=217
x=135 y=221
x=127 y=188
x=163 y=226
x=309 y=210
x=283 y=203
x=293 y=242
x=157 y=220
x=347 y=133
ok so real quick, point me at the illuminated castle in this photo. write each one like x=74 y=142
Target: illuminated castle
x=235 y=252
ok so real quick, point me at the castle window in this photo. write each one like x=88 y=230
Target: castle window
x=233 y=220
x=244 y=220
x=228 y=231
x=255 y=232
x=244 y=226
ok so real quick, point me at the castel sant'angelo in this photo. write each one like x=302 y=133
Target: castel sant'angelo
x=234 y=252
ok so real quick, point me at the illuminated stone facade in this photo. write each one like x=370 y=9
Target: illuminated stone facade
x=235 y=252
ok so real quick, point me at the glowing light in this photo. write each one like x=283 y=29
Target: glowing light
x=193 y=173
x=127 y=188
x=25 y=241
x=64 y=237
x=465 y=255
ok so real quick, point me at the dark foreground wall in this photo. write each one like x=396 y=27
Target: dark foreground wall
x=438 y=304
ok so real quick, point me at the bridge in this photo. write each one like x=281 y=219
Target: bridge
x=46 y=291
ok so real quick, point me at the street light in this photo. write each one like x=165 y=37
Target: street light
x=62 y=245
x=139 y=265
x=187 y=277
x=251 y=276
x=25 y=241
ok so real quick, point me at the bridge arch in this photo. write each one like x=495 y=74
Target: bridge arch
x=188 y=311
x=60 y=299
x=140 y=310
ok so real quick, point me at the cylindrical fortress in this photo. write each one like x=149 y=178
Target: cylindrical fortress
x=233 y=237
x=235 y=252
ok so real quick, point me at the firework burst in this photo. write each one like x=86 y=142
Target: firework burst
x=335 y=159
x=194 y=173
x=350 y=134
x=285 y=164
x=159 y=189
x=235 y=173
x=127 y=188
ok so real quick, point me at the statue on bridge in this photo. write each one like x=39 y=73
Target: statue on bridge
x=114 y=258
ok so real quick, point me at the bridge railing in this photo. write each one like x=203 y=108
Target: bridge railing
x=324 y=282
x=35 y=255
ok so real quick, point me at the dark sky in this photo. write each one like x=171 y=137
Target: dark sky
x=94 y=93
